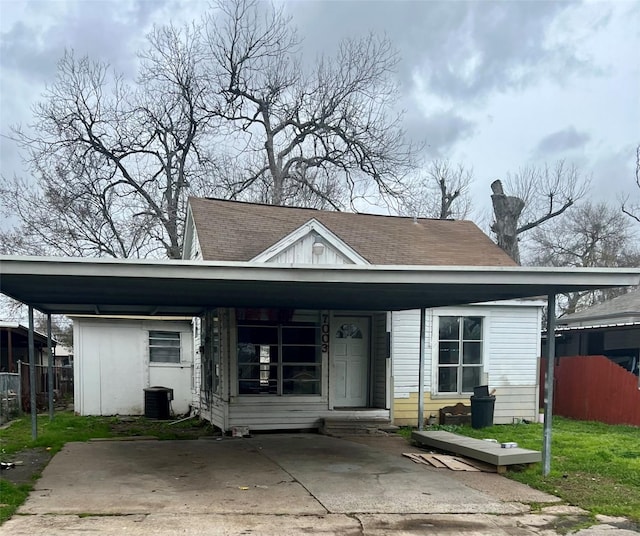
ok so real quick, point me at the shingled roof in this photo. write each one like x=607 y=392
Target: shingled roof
x=627 y=305
x=238 y=231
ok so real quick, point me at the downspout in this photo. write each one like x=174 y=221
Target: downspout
x=423 y=314
x=32 y=378
x=548 y=398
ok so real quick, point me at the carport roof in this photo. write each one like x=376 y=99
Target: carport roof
x=170 y=287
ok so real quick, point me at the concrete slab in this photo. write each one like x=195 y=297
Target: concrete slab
x=478 y=449
x=143 y=477
x=349 y=477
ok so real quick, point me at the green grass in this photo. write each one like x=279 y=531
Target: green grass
x=593 y=465
x=54 y=434
x=11 y=497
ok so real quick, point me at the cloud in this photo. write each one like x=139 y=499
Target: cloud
x=563 y=140
x=462 y=50
x=440 y=131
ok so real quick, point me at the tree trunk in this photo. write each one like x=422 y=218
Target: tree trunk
x=507 y=210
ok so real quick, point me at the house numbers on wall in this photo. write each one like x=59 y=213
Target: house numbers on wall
x=324 y=333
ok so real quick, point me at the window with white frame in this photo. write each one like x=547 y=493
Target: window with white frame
x=460 y=351
x=164 y=346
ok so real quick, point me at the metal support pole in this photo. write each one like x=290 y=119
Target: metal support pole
x=548 y=391
x=32 y=379
x=423 y=314
x=50 y=367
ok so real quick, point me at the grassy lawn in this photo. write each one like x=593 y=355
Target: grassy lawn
x=15 y=441
x=595 y=466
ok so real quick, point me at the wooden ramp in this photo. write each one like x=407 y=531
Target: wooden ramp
x=477 y=449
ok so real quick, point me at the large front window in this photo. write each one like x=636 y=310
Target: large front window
x=279 y=357
x=459 y=353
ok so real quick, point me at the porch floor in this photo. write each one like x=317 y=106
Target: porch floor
x=477 y=449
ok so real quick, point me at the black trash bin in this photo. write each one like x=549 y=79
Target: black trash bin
x=157 y=402
x=482 y=405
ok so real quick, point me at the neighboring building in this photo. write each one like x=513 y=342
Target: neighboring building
x=269 y=368
x=611 y=328
x=14 y=346
x=116 y=358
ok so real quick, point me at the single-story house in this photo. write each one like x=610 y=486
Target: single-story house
x=117 y=357
x=300 y=366
x=14 y=346
x=611 y=328
x=255 y=313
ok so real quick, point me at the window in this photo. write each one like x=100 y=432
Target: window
x=164 y=346
x=459 y=353
x=279 y=358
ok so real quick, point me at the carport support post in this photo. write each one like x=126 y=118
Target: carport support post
x=32 y=378
x=50 y=366
x=423 y=314
x=548 y=391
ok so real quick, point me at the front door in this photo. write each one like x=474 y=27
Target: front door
x=350 y=354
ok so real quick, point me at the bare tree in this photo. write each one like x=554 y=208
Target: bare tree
x=633 y=209
x=112 y=162
x=540 y=194
x=441 y=193
x=224 y=108
x=590 y=235
x=300 y=130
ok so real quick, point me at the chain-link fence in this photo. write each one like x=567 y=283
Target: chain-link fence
x=9 y=396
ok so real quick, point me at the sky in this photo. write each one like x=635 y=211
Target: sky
x=492 y=85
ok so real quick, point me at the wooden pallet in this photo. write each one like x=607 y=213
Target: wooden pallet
x=454 y=463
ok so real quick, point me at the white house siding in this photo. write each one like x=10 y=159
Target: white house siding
x=511 y=351
x=301 y=252
x=112 y=368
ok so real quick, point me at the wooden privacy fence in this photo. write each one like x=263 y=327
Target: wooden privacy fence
x=593 y=388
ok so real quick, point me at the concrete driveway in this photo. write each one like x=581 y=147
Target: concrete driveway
x=270 y=484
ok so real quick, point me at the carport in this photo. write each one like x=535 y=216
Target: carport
x=168 y=287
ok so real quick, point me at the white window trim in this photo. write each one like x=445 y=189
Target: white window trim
x=168 y=364
x=435 y=338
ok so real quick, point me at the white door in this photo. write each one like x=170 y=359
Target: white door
x=350 y=354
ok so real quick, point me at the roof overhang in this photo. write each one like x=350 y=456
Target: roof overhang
x=170 y=287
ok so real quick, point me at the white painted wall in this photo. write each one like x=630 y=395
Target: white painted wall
x=511 y=352
x=111 y=366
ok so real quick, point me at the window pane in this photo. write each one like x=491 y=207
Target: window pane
x=470 y=378
x=472 y=353
x=300 y=334
x=449 y=328
x=472 y=328
x=310 y=387
x=301 y=372
x=448 y=380
x=258 y=334
x=256 y=353
x=256 y=387
x=301 y=354
x=348 y=331
x=449 y=352
x=164 y=355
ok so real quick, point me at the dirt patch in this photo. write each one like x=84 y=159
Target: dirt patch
x=28 y=464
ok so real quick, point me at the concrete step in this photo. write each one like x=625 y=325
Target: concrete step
x=336 y=426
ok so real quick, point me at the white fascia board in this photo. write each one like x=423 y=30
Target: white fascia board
x=302 y=231
x=188 y=234
x=348 y=273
